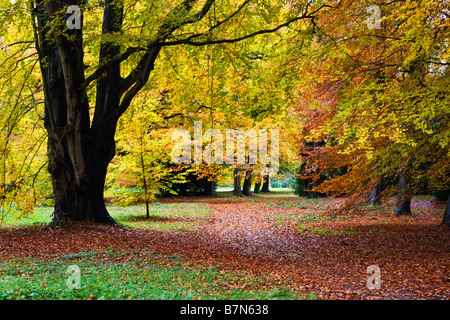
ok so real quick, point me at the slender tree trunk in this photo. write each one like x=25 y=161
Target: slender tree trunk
x=404 y=196
x=247 y=183
x=257 y=187
x=144 y=175
x=375 y=194
x=266 y=183
x=237 y=191
x=311 y=185
x=446 y=219
x=210 y=188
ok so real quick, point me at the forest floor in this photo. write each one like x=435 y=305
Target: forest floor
x=301 y=243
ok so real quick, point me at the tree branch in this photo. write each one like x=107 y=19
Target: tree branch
x=139 y=76
x=120 y=58
x=238 y=39
x=175 y=20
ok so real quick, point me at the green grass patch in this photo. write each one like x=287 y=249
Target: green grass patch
x=156 y=277
x=296 y=212
x=41 y=215
x=163 y=217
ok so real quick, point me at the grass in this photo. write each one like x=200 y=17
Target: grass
x=41 y=215
x=298 y=212
x=163 y=217
x=105 y=275
x=311 y=215
x=155 y=278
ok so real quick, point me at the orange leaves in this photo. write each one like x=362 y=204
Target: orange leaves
x=330 y=257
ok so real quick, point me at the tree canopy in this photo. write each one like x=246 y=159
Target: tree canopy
x=358 y=90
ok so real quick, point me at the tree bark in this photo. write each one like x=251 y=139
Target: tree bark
x=210 y=188
x=257 y=187
x=265 y=185
x=375 y=194
x=404 y=196
x=237 y=191
x=247 y=183
x=79 y=152
x=446 y=219
x=311 y=185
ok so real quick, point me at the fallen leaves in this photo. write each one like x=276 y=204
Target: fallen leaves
x=413 y=254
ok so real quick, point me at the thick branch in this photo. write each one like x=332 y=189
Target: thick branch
x=173 y=23
x=145 y=66
x=101 y=69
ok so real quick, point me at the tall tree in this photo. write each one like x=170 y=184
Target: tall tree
x=81 y=119
x=379 y=97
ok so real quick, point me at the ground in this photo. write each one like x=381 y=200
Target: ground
x=266 y=247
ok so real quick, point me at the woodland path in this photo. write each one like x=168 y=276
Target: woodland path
x=414 y=258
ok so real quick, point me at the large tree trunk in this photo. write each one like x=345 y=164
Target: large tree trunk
x=404 y=196
x=446 y=219
x=247 y=183
x=78 y=158
x=78 y=155
x=237 y=191
x=79 y=151
x=79 y=201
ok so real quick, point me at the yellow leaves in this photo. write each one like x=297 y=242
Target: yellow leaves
x=17 y=203
x=142 y=166
x=25 y=202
